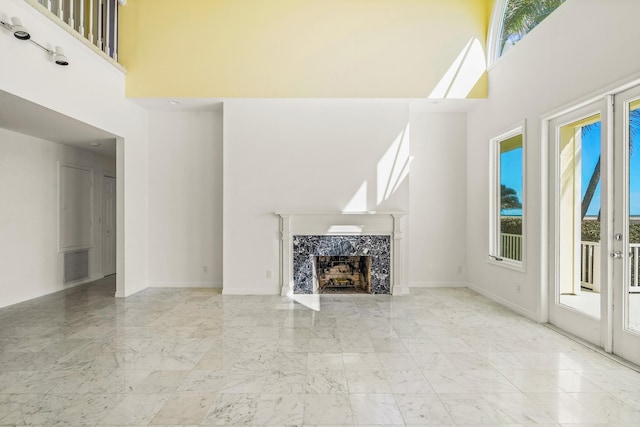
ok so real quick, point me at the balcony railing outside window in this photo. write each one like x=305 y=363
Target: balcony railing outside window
x=590 y=261
x=511 y=246
x=95 y=20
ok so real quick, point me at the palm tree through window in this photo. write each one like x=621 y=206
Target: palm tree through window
x=520 y=17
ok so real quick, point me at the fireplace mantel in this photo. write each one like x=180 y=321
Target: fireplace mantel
x=389 y=223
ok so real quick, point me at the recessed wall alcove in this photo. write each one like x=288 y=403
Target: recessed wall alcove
x=377 y=236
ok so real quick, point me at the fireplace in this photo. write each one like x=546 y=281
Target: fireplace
x=306 y=249
x=375 y=239
x=342 y=274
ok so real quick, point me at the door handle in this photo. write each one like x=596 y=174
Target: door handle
x=616 y=255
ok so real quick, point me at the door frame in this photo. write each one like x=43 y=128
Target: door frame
x=626 y=342
x=109 y=174
x=542 y=308
x=565 y=317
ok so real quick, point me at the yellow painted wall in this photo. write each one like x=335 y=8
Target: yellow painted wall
x=296 y=48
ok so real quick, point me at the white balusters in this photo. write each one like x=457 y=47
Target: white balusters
x=92 y=12
x=95 y=20
x=116 y=9
x=100 y=23
x=81 y=17
x=107 y=27
x=72 y=11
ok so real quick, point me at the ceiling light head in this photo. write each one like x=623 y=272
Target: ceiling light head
x=174 y=102
x=19 y=31
x=95 y=144
x=59 y=58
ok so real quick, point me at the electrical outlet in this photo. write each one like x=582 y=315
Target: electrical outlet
x=268 y=274
x=518 y=288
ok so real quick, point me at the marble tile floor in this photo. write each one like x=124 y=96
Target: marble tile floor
x=169 y=357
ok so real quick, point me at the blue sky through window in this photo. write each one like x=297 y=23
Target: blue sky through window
x=590 y=155
x=511 y=169
x=511 y=176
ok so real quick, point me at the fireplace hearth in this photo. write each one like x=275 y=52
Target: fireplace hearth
x=342 y=274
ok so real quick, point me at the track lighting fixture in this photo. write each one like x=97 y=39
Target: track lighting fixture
x=21 y=33
x=58 y=56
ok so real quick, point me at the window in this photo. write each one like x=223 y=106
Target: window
x=507 y=198
x=513 y=19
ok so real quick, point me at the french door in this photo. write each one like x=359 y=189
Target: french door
x=625 y=254
x=575 y=248
x=594 y=223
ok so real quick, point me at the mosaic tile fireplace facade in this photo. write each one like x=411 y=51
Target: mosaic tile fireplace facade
x=378 y=236
x=378 y=248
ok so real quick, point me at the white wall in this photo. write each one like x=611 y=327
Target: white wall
x=584 y=46
x=92 y=91
x=437 y=220
x=185 y=198
x=303 y=156
x=31 y=264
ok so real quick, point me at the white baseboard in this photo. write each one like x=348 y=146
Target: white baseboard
x=400 y=290
x=438 y=284
x=128 y=292
x=81 y=282
x=511 y=306
x=49 y=292
x=217 y=285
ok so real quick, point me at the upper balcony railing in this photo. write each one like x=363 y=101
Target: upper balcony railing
x=95 y=20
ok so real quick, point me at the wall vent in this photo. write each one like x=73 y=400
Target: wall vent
x=76 y=265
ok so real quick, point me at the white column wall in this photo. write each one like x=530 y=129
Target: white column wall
x=185 y=199
x=437 y=213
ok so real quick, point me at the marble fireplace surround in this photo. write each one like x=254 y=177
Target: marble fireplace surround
x=307 y=234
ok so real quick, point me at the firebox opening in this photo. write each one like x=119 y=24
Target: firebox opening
x=342 y=274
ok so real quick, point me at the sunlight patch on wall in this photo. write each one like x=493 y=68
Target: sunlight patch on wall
x=358 y=202
x=463 y=74
x=346 y=229
x=393 y=167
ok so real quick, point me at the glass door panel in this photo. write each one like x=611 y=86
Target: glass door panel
x=575 y=287
x=625 y=255
x=633 y=221
x=579 y=215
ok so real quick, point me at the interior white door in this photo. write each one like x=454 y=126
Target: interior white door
x=625 y=254
x=109 y=226
x=575 y=289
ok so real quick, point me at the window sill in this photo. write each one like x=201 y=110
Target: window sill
x=507 y=263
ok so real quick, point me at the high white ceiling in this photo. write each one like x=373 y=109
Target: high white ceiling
x=22 y=116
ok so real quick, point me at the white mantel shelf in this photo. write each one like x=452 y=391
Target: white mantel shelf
x=389 y=223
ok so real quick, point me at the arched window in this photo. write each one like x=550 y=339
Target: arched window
x=513 y=19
